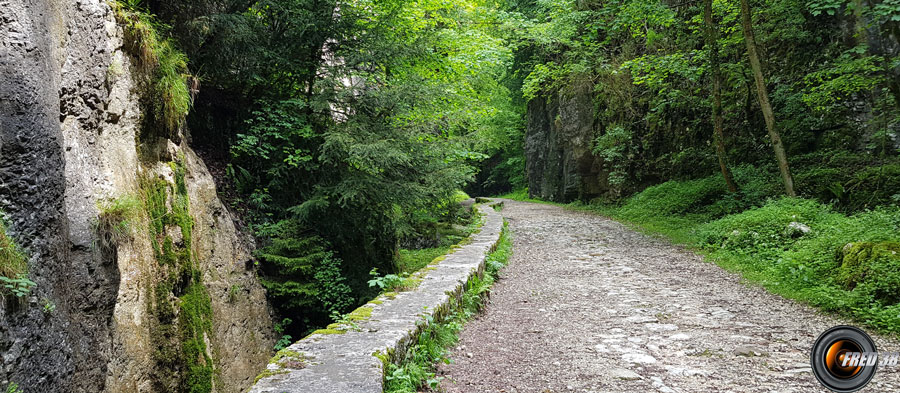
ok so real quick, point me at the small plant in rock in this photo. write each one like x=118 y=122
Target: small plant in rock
x=233 y=292
x=346 y=321
x=48 y=307
x=285 y=339
x=19 y=286
x=388 y=282
x=13 y=388
x=115 y=224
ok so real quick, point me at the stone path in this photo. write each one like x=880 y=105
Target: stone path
x=587 y=305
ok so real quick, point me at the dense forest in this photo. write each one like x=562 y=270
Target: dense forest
x=342 y=131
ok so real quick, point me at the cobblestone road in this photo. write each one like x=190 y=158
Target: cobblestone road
x=587 y=305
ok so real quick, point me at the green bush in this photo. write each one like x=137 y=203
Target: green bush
x=844 y=264
x=766 y=229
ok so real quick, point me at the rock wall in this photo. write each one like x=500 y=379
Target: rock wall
x=558 y=140
x=70 y=117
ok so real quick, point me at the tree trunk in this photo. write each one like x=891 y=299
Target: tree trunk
x=711 y=36
x=763 y=95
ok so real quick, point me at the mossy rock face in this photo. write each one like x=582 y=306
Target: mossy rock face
x=872 y=267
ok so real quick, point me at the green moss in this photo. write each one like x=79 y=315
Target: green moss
x=268 y=373
x=328 y=331
x=285 y=353
x=182 y=356
x=167 y=256
x=875 y=265
x=194 y=322
x=360 y=314
x=290 y=359
x=390 y=295
x=376 y=301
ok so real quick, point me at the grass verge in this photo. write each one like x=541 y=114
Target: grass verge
x=418 y=369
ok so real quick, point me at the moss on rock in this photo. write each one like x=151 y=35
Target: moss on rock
x=871 y=267
x=182 y=306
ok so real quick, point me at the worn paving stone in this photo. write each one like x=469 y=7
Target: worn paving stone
x=344 y=363
x=558 y=322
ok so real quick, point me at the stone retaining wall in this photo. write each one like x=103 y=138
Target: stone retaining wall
x=342 y=359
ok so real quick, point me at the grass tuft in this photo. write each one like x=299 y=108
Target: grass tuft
x=116 y=221
x=12 y=261
x=170 y=83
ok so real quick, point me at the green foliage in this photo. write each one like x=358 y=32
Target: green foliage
x=13 y=388
x=390 y=282
x=286 y=339
x=674 y=198
x=646 y=64
x=117 y=219
x=851 y=182
x=850 y=75
x=47 y=306
x=19 y=286
x=302 y=278
x=172 y=98
x=165 y=66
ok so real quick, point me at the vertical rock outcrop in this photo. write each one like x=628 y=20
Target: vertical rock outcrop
x=558 y=141
x=70 y=120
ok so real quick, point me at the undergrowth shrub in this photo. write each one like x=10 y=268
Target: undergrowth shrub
x=844 y=264
x=853 y=182
x=13 y=267
x=674 y=198
x=766 y=229
x=303 y=279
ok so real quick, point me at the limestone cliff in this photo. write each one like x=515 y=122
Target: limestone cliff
x=70 y=120
x=558 y=140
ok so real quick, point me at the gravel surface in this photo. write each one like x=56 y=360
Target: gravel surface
x=587 y=305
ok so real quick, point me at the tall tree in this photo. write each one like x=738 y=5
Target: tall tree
x=711 y=35
x=763 y=95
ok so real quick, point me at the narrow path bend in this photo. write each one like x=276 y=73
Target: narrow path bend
x=587 y=305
